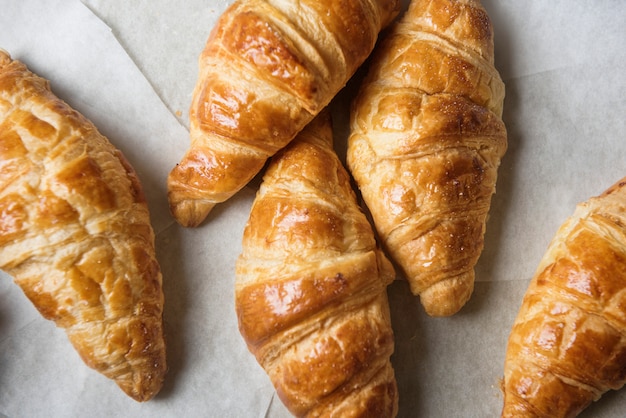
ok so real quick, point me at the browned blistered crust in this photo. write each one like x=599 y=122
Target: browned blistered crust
x=425 y=144
x=75 y=233
x=267 y=69
x=311 y=287
x=568 y=343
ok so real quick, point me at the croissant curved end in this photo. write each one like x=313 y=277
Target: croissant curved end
x=142 y=390
x=447 y=297
x=5 y=57
x=190 y=212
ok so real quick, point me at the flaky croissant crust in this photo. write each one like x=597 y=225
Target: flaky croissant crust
x=568 y=345
x=267 y=69
x=75 y=233
x=311 y=287
x=425 y=144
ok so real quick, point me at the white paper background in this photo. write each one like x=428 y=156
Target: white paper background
x=131 y=66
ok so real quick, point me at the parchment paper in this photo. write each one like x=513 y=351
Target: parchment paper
x=131 y=66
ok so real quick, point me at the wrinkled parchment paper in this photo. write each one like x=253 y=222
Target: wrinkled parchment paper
x=131 y=66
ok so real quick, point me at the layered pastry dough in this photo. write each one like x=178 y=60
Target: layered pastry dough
x=267 y=69
x=568 y=343
x=425 y=144
x=75 y=233
x=311 y=287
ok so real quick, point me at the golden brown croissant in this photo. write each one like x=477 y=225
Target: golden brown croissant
x=568 y=343
x=425 y=143
x=75 y=233
x=311 y=286
x=267 y=69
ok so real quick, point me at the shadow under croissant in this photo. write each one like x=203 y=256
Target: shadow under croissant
x=458 y=357
x=176 y=289
x=190 y=294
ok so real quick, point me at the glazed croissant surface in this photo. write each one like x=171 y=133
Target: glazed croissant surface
x=311 y=286
x=75 y=233
x=267 y=69
x=568 y=343
x=425 y=144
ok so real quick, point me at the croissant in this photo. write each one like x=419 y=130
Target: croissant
x=267 y=69
x=426 y=139
x=75 y=233
x=311 y=286
x=567 y=345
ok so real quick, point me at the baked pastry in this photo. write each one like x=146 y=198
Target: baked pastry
x=567 y=345
x=267 y=69
x=75 y=233
x=426 y=139
x=311 y=286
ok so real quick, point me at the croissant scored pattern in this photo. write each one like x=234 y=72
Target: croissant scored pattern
x=567 y=345
x=311 y=287
x=267 y=69
x=425 y=144
x=75 y=233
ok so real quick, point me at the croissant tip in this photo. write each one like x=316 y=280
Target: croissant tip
x=190 y=213
x=5 y=57
x=143 y=385
x=447 y=297
x=141 y=394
